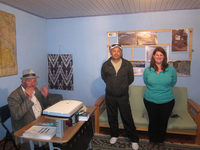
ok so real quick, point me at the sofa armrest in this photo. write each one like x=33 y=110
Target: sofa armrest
x=194 y=111
x=100 y=105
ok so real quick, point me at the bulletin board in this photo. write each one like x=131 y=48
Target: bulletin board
x=138 y=46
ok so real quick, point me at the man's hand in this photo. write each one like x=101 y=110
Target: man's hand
x=45 y=91
x=29 y=91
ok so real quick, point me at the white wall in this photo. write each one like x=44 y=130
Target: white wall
x=31 y=53
x=86 y=39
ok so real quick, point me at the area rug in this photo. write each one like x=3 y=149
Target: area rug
x=101 y=142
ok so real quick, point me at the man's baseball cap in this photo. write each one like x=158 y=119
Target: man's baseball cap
x=116 y=45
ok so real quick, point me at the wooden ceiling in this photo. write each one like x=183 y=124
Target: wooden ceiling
x=51 y=9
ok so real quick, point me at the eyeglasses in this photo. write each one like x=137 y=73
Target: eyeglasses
x=30 y=81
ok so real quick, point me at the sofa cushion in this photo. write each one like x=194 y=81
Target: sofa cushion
x=104 y=118
x=180 y=94
x=136 y=98
x=184 y=122
x=136 y=94
x=140 y=115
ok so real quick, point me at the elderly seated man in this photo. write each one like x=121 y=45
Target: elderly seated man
x=27 y=102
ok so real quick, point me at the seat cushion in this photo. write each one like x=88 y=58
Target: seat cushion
x=104 y=118
x=184 y=122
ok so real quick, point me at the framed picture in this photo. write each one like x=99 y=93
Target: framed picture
x=138 y=66
x=182 y=67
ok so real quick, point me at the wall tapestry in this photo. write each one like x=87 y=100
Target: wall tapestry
x=60 y=71
x=8 y=58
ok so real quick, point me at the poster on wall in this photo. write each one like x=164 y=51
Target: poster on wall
x=182 y=67
x=149 y=51
x=179 y=40
x=138 y=66
x=8 y=53
x=60 y=71
x=127 y=38
x=147 y=38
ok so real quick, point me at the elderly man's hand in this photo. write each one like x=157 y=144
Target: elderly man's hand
x=29 y=91
x=45 y=91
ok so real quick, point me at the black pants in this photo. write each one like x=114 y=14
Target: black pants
x=158 y=119
x=121 y=103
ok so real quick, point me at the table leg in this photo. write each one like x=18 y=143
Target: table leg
x=59 y=128
x=40 y=144
x=53 y=148
x=50 y=146
x=21 y=140
x=31 y=144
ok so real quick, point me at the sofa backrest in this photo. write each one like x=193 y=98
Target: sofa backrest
x=180 y=94
x=136 y=98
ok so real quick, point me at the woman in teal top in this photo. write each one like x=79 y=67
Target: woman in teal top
x=159 y=78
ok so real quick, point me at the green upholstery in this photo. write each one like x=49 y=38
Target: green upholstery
x=180 y=94
x=136 y=97
x=140 y=115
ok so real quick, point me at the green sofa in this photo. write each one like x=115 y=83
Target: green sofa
x=187 y=123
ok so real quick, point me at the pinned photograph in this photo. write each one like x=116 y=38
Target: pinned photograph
x=112 y=34
x=147 y=38
x=138 y=66
x=127 y=38
x=149 y=51
x=179 y=40
x=182 y=67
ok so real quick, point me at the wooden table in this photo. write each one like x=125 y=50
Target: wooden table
x=69 y=133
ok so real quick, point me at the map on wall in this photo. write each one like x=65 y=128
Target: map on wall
x=8 y=58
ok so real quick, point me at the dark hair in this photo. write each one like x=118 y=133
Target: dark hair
x=164 y=63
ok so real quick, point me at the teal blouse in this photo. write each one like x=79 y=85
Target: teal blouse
x=159 y=86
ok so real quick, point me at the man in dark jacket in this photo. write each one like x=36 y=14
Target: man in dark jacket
x=118 y=74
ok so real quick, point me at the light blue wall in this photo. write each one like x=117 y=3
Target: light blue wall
x=86 y=39
x=31 y=53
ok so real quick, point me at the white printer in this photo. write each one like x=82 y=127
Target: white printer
x=64 y=108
